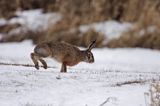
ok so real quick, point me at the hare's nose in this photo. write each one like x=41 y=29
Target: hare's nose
x=91 y=61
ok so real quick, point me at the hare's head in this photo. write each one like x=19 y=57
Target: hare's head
x=89 y=58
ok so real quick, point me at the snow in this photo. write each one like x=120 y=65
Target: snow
x=102 y=83
x=149 y=30
x=3 y=22
x=35 y=19
x=111 y=29
x=32 y=20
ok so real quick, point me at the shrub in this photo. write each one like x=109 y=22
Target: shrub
x=82 y=12
x=75 y=37
x=146 y=33
x=155 y=94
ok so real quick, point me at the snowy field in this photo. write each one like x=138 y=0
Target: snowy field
x=119 y=77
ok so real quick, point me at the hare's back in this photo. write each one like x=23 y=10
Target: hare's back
x=61 y=48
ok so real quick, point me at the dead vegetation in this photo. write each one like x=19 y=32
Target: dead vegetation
x=8 y=7
x=8 y=27
x=78 y=38
x=144 y=13
x=91 y=35
x=76 y=13
x=146 y=33
x=152 y=98
x=35 y=36
x=155 y=94
x=135 y=39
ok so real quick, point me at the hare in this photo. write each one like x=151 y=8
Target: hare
x=64 y=53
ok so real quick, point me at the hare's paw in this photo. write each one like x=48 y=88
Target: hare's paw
x=45 y=66
x=44 y=63
x=37 y=66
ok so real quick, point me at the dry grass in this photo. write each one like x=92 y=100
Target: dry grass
x=8 y=7
x=80 y=12
x=155 y=94
x=146 y=34
x=35 y=36
x=89 y=36
x=75 y=37
x=8 y=27
x=76 y=13
x=134 y=39
x=152 y=98
x=67 y=36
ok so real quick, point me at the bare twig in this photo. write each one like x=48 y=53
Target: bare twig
x=130 y=82
x=25 y=65
x=145 y=98
x=105 y=101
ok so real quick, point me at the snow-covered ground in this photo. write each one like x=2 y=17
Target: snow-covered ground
x=119 y=77
x=111 y=29
x=30 y=20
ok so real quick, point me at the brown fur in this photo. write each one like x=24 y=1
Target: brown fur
x=64 y=53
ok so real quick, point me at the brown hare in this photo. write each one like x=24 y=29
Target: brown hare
x=64 y=53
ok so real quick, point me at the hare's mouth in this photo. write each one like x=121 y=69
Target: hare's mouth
x=92 y=61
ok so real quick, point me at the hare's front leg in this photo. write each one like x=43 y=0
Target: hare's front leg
x=63 y=68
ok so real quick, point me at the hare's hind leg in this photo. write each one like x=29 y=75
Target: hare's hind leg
x=34 y=58
x=41 y=52
x=44 y=63
x=63 y=68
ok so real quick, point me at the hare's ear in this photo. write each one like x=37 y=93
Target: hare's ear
x=90 y=47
